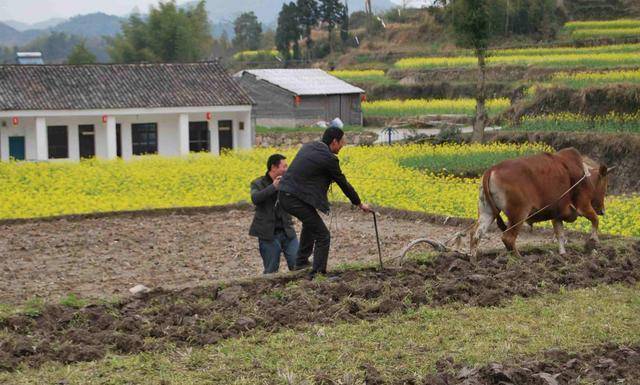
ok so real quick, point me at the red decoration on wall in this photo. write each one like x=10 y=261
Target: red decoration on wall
x=363 y=98
x=104 y=118
x=208 y=115
x=297 y=99
x=15 y=120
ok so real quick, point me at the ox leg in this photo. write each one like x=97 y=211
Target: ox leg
x=558 y=229
x=509 y=237
x=588 y=212
x=485 y=219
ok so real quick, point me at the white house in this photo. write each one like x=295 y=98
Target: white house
x=120 y=110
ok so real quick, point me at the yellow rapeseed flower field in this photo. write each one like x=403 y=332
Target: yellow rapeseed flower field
x=566 y=121
x=568 y=60
x=358 y=75
x=590 y=78
x=555 y=57
x=544 y=51
x=417 y=107
x=603 y=24
x=369 y=77
x=583 y=34
x=252 y=55
x=607 y=28
x=46 y=189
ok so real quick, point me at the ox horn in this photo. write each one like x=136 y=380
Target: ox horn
x=611 y=169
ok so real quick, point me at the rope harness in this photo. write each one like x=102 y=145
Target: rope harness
x=445 y=246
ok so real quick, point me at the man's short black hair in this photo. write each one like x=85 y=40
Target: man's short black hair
x=332 y=133
x=274 y=160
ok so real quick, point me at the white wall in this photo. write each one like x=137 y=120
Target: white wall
x=170 y=140
x=27 y=128
x=73 y=139
x=168 y=133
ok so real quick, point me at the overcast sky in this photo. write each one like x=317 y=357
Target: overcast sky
x=31 y=11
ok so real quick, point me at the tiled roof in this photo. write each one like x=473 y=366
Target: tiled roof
x=116 y=86
x=304 y=81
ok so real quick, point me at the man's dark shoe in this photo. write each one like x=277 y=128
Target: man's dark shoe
x=301 y=267
x=313 y=274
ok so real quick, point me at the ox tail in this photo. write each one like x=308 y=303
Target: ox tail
x=492 y=203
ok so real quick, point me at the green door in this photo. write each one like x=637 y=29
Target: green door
x=16 y=147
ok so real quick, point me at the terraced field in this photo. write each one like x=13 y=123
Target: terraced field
x=569 y=122
x=418 y=107
x=581 y=30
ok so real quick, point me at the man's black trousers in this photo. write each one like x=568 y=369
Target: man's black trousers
x=315 y=236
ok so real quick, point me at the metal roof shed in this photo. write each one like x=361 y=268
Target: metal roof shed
x=300 y=97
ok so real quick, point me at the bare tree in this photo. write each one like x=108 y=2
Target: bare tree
x=472 y=27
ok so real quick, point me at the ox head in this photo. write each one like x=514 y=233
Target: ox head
x=600 y=182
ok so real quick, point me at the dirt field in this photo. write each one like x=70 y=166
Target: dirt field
x=104 y=257
x=608 y=364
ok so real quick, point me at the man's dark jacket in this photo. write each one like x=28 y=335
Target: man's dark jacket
x=264 y=196
x=312 y=172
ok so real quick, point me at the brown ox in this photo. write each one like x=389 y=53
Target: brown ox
x=520 y=187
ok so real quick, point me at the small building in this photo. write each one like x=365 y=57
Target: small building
x=300 y=97
x=120 y=110
x=29 y=58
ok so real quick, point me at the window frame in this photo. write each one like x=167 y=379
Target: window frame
x=59 y=149
x=202 y=143
x=144 y=138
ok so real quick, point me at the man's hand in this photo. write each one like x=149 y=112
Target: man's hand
x=276 y=182
x=365 y=207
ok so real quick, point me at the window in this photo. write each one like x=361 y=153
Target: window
x=118 y=141
x=86 y=133
x=144 y=138
x=58 y=142
x=241 y=126
x=198 y=136
x=225 y=134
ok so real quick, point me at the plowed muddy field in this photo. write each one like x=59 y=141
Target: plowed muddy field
x=210 y=313
x=607 y=364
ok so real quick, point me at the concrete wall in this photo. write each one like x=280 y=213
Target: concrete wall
x=25 y=128
x=172 y=140
x=272 y=103
x=295 y=139
x=328 y=107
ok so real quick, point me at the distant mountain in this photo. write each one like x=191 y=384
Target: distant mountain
x=17 y=25
x=10 y=36
x=20 y=26
x=88 y=26
x=91 y=25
